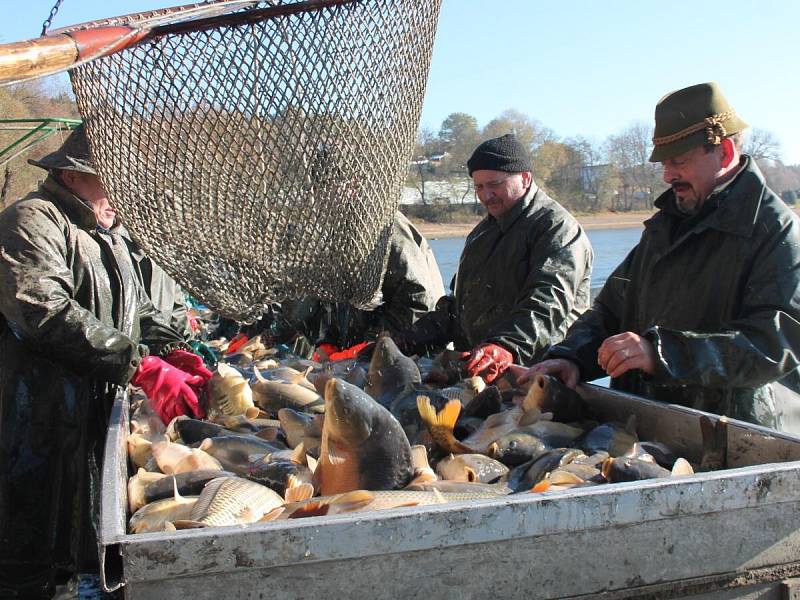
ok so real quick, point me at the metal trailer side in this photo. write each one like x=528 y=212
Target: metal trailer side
x=723 y=534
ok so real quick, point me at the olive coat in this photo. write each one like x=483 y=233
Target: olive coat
x=72 y=316
x=522 y=280
x=719 y=298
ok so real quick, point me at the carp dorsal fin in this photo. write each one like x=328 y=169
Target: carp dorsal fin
x=259 y=376
x=299 y=454
x=682 y=467
x=297 y=492
x=176 y=495
x=311 y=462
x=301 y=378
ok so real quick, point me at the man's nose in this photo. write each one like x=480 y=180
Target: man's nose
x=669 y=175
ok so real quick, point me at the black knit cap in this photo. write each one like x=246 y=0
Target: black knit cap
x=504 y=153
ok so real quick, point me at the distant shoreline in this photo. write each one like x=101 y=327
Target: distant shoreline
x=605 y=220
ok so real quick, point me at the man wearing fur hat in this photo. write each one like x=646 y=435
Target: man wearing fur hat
x=705 y=311
x=75 y=323
x=523 y=276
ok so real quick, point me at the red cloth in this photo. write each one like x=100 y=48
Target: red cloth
x=350 y=352
x=489 y=361
x=324 y=351
x=236 y=342
x=170 y=390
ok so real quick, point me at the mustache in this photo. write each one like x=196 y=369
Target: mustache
x=676 y=184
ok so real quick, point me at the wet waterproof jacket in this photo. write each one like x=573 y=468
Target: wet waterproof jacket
x=522 y=280
x=720 y=301
x=72 y=315
x=164 y=292
x=411 y=286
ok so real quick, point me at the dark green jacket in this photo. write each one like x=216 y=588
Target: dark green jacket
x=720 y=300
x=521 y=281
x=72 y=316
x=412 y=283
x=164 y=292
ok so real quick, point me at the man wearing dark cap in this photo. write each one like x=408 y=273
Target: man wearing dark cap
x=524 y=274
x=705 y=311
x=75 y=323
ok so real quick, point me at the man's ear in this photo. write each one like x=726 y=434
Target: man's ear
x=527 y=177
x=728 y=152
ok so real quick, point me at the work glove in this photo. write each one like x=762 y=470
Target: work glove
x=171 y=391
x=190 y=363
x=489 y=361
x=324 y=351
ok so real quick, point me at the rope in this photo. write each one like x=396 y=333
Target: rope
x=715 y=130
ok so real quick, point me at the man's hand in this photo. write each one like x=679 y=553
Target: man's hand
x=190 y=363
x=170 y=390
x=489 y=361
x=565 y=370
x=625 y=351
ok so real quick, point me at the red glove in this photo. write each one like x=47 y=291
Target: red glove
x=168 y=388
x=190 y=363
x=488 y=360
x=324 y=352
x=350 y=352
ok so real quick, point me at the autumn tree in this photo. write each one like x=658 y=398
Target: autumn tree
x=36 y=99
x=529 y=132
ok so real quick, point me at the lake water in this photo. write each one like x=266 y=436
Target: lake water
x=610 y=248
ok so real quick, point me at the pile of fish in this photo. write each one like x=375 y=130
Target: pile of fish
x=293 y=438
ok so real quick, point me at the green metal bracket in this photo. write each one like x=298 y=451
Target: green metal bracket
x=36 y=130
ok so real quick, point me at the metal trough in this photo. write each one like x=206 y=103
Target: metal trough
x=724 y=534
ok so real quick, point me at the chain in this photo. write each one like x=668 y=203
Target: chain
x=53 y=11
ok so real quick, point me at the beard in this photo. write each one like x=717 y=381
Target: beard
x=688 y=204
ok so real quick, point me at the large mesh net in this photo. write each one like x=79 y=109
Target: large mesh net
x=263 y=159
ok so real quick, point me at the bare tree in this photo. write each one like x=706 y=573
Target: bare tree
x=762 y=144
x=629 y=154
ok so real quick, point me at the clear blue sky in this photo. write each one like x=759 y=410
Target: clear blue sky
x=579 y=67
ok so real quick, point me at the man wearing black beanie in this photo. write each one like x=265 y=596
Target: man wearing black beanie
x=524 y=273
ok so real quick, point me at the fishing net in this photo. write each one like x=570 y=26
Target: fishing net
x=260 y=157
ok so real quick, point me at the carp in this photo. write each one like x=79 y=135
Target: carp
x=549 y=394
x=471 y=468
x=363 y=446
x=227 y=501
x=390 y=372
x=229 y=393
